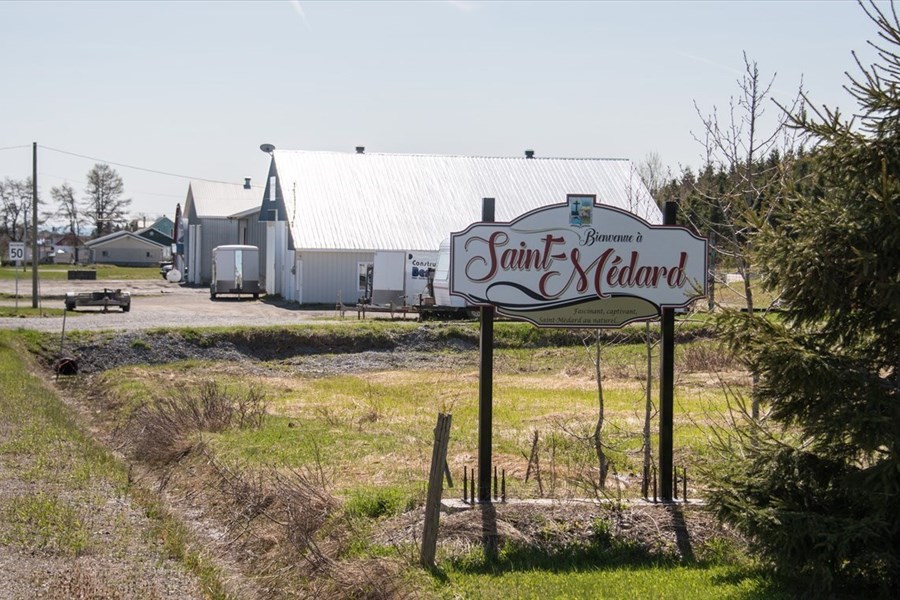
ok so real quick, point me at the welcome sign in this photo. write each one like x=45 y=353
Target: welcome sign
x=578 y=264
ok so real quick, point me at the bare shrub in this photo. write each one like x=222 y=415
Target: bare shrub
x=161 y=431
x=298 y=536
x=706 y=358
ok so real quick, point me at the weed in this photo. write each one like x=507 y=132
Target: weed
x=46 y=523
x=375 y=502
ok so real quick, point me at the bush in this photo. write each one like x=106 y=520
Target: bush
x=162 y=431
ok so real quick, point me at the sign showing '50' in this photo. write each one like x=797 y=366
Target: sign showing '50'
x=17 y=251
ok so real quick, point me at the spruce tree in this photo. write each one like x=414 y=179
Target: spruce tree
x=819 y=493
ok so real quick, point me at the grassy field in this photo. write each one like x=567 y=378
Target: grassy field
x=366 y=435
x=60 y=272
x=376 y=426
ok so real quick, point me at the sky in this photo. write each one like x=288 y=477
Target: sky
x=167 y=92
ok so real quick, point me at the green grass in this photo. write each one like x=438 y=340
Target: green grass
x=25 y=311
x=44 y=523
x=60 y=272
x=626 y=582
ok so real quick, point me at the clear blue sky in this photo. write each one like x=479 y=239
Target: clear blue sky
x=195 y=88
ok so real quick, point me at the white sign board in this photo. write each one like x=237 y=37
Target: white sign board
x=578 y=264
x=17 y=251
x=417 y=266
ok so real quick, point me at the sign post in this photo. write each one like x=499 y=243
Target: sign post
x=667 y=385
x=577 y=265
x=485 y=383
x=17 y=256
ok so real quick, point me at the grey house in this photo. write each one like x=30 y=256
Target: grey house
x=332 y=216
x=218 y=214
x=128 y=249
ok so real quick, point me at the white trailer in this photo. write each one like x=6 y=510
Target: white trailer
x=235 y=270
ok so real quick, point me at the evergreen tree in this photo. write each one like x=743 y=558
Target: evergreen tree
x=820 y=494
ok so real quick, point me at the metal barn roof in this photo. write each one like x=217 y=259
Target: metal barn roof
x=222 y=199
x=347 y=201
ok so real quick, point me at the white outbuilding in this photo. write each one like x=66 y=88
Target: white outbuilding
x=215 y=214
x=333 y=217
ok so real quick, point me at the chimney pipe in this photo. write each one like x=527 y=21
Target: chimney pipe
x=360 y=149
x=246 y=183
x=529 y=154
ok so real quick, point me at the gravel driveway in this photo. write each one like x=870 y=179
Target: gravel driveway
x=157 y=304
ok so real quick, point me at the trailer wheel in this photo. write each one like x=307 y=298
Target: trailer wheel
x=70 y=306
x=212 y=295
x=256 y=296
x=126 y=307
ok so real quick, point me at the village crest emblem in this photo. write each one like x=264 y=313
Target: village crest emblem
x=581 y=209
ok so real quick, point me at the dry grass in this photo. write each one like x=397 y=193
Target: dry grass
x=293 y=533
x=162 y=431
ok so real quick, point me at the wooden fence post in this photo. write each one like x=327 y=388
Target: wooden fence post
x=435 y=488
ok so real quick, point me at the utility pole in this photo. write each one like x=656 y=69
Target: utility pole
x=34 y=228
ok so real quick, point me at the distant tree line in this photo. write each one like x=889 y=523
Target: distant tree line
x=102 y=206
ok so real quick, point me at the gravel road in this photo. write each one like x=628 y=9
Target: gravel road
x=156 y=304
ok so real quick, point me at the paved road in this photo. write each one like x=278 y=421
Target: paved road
x=156 y=304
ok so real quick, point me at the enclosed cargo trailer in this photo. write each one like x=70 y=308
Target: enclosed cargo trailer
x=235 y=270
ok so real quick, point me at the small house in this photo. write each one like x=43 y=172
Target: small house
x=128 y=249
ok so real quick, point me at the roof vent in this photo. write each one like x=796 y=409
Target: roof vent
x=360 y=149
x=529 y=154
x=246 y=183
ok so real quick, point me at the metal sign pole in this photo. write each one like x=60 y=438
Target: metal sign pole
x=17 y=287
x=34 y=230
x=667 y=383
x=485 y=383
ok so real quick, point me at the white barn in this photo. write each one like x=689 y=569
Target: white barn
x=218 y=214
x=328 y=214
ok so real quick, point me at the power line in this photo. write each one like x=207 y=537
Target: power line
x=16 y=147
x=81 y=182
x=123 y=165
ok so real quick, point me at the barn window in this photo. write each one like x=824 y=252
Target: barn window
x=105 y=253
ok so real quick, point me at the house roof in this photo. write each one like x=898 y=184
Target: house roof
x=221 y=199
x=117 y=235
x=346 y=201
x=164 y=225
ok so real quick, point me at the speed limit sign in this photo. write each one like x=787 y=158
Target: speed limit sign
x=17 y=251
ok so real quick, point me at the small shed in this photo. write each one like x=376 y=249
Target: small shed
x=218 y=214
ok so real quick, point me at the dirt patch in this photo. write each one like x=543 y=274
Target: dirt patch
x=675 y=532
x=311 y=354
